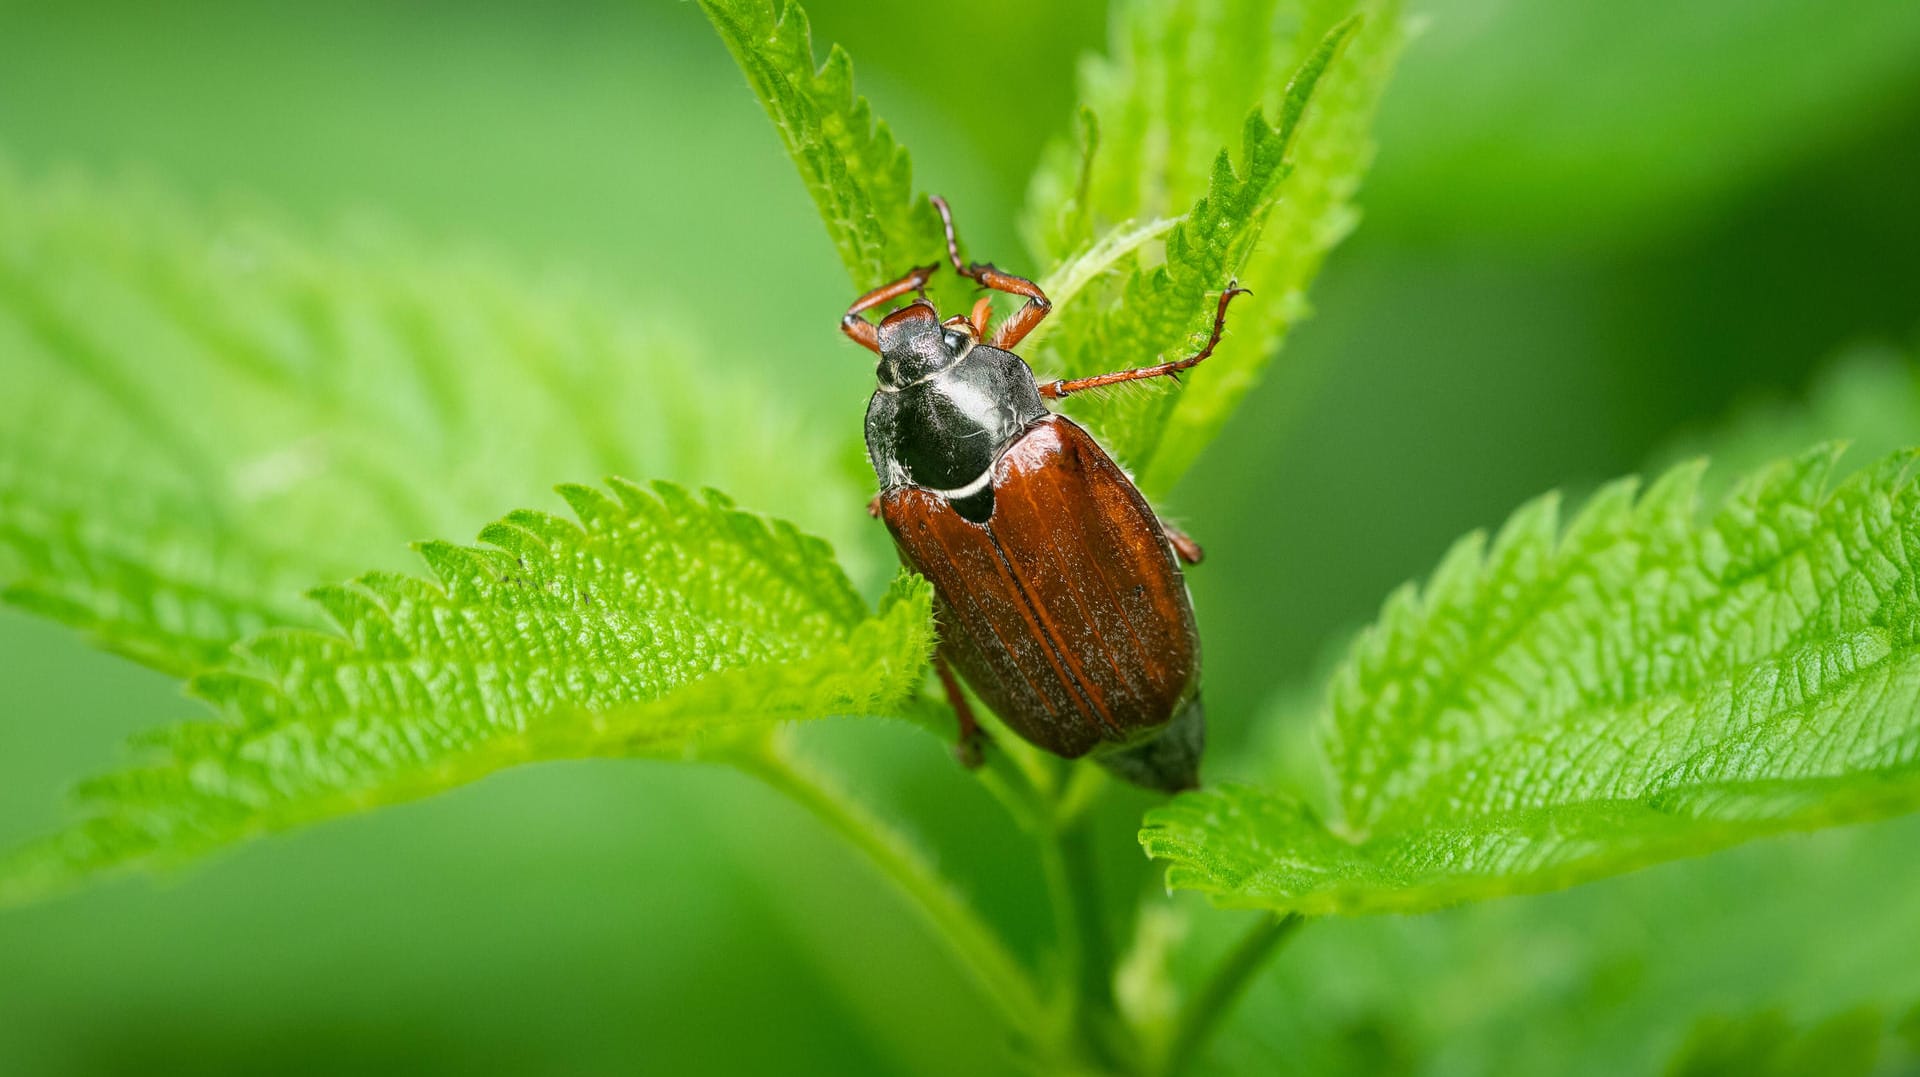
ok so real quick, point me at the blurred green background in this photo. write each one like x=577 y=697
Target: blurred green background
x=1593 y=228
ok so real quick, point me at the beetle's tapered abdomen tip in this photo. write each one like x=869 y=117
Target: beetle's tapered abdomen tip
x=1170 y=762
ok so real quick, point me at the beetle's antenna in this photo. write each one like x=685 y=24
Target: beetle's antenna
x=953 y=241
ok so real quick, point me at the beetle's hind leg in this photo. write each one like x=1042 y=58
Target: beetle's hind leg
x=1183 y=545
x=970 y=749
x=1022 y=321
x=1054 y=390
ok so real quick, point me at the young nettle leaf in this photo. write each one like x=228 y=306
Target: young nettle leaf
x=1576 y=701
x=859 y=177
x=1166 y=136
x=660 y=623
x=206 y=416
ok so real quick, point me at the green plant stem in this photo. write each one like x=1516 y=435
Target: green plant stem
x=1013 y=786
x=1089 y=1021
x=1005 y=982
x=1217 y=996
x=1092 y=980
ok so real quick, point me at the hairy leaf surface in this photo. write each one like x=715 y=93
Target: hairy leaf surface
x=208 y=415
x=859 y=177
x=1575 y=701
x=660 y=623
x=1158 y=121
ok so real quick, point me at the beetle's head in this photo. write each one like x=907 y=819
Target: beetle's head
x=915 y=344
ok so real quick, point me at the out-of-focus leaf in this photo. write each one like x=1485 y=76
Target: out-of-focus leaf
x=1868 y=397
x=1603 y=122
x=1601 y=980
x=205 y=417
x=1574 y=702
x=659 y=624
x=1768 y=1045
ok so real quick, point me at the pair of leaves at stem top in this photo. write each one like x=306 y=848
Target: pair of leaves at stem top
x=1141 y=219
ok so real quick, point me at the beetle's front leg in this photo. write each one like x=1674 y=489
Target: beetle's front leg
x=970 y=749
x=1023 y=321
x=863 y=331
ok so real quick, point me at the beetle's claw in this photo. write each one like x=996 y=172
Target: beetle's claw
x=923 y=274
x=971 y=749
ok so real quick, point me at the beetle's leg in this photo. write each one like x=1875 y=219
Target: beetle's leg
x=1183 y=545
x=971 y=747
x=873 y=507
x=863 y=331
x=1023 y=320
x=982 y=310
x=1054 y=390
x=1014 y=329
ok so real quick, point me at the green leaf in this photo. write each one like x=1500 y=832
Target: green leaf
x=1768 y=1045
x=1869 y=396
x=1585 y=94
x=1577 y=701
x=1597 y=981
x=205 y=416
x=859 y=177
x=659 y=624
x=1155 y=123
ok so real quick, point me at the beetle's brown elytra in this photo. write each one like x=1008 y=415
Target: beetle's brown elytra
x=1059 y=593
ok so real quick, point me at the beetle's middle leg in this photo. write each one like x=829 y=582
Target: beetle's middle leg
x=1054 y=390
x=1022 y=321
x=970 y=749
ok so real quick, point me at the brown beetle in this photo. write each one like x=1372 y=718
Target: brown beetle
x=1058 y=591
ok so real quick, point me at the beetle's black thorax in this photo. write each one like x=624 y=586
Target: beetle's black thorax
x=943 y=431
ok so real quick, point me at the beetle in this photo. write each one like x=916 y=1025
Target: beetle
x=1058 y=592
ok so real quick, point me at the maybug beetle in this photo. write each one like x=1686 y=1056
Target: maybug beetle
x=1058 y=592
